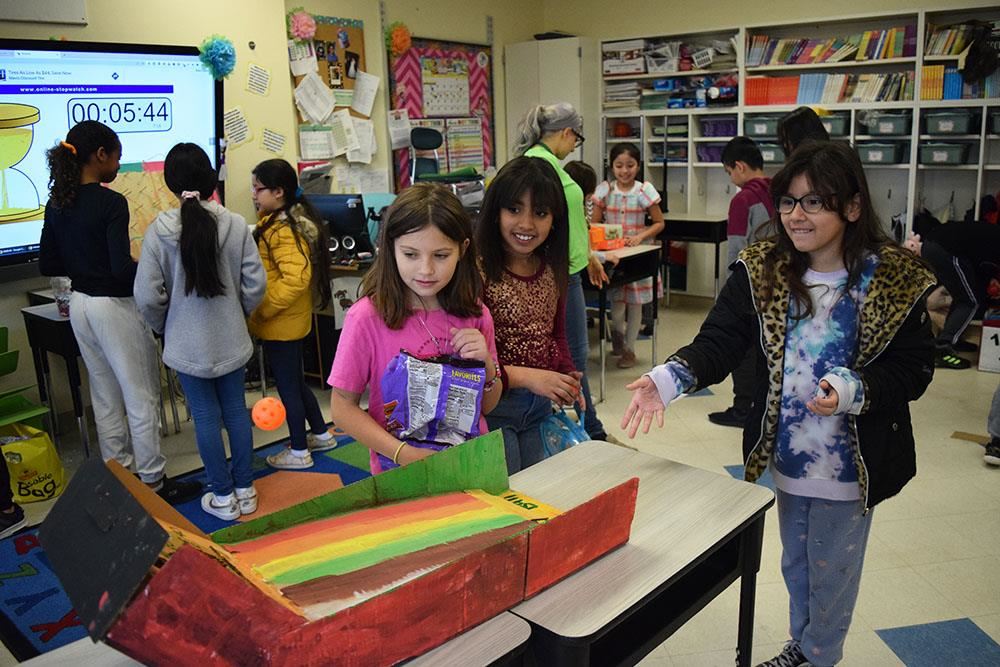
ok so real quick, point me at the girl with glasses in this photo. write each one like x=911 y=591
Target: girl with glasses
x=835 y=311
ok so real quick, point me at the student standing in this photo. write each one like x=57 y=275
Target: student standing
x=200 y=275
x=552 y=133
x=85 y=236
x=421 y=295
x=749 y=212
x=627 y=202
x=293 y=244
x=837 y=311
x=521 y=236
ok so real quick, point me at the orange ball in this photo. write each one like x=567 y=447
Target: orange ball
x=268 y=413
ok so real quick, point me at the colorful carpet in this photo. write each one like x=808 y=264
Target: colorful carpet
x=35 y=613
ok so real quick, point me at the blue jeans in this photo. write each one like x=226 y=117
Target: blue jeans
x=823 y=546
x=214 y=402
x=520 y=413
x=285 y=359
x=576 y=337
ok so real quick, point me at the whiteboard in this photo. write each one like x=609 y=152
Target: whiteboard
x=45 y=11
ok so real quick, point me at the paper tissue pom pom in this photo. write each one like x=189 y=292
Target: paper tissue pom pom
x=301 y=25
x=397 y=38
x=219 y=56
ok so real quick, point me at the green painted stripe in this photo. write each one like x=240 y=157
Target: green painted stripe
x=130 y=167
x=384 y=552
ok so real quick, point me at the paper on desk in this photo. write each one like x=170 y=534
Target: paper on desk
x=301 y=57
x=258 y=79
x=365 y=87
x=313 y=98
x=235 y=127
x=365 y=130
x=343 y=97
x=342 y=129
x=399 y=128
x=315 y=142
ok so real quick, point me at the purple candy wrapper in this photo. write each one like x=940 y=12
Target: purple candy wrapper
x=432 y=403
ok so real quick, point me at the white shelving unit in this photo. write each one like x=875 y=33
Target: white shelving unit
x=699 y=185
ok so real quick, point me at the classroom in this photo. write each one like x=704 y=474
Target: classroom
x=442 y=227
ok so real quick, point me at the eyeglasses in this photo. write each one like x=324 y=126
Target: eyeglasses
x=257 y=188
x=810 y=203
x=579 y=139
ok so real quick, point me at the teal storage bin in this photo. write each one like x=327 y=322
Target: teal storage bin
x=943 y=154
x=836 y=126
x=888 y=123
x=949 y=122
x=761 y=126
x=772 y=153
x=995 y=122
x=880 y=153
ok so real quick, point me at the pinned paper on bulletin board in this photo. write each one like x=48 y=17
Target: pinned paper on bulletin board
x=236 y=128
x=338 y=49
x=258 y=79
x=450 y=80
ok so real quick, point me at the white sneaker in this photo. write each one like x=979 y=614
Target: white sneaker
x=319 y=444
x=286 y=460
x=224 y=507
x=247 y=499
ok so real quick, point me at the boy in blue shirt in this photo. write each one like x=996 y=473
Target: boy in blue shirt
x=749 y=212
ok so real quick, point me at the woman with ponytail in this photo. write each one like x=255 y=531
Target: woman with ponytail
x=199 y=278
x=294 y=244
x=86 y=237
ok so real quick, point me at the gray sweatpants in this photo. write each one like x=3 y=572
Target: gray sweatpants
x=124 y=372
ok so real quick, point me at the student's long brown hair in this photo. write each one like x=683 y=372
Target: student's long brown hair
x=835 y=173
x=418 y=206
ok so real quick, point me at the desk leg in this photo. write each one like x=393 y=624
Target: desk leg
x=172 y=388
x=73 y=371
x=716 y=270
x=751 y=542
x=263 y=372
x=41 y=361
x=602 y=295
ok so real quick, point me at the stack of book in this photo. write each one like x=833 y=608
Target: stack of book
x=622 y=96
x=897 y=42
x=821 y=88
x=932 y=82
x=950 y=40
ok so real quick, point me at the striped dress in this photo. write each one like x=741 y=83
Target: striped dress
x=628 y=209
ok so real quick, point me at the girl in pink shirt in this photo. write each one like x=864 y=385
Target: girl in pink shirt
x=422 y=295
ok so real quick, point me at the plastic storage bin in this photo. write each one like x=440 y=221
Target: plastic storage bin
x=949 y=122
x=995 y=122
x=876 y=153
x=761 y=126
x=709 y=153
x=836 y=126
x=772 y=153
x=943 y=154
x=888 y=123
x=724 y=126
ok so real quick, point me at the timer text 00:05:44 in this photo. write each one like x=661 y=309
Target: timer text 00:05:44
x=133 y=114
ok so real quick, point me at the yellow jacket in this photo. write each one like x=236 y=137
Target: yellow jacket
x=286 y=311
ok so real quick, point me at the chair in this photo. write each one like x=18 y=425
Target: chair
x=423 y=139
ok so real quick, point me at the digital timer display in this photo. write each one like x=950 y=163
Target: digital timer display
x=123 y=114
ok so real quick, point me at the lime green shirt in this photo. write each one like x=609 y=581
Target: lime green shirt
x=579 y=236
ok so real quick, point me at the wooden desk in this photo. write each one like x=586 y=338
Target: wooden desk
x=695 y=532
x=48 y=331
x=500 y=640
x=693 y=229
x=635 y=263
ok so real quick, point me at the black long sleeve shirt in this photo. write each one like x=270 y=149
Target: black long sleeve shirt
x=89 y=242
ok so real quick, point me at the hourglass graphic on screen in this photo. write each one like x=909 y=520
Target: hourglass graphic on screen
x=18 y=195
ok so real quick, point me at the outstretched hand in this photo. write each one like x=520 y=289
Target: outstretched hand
x=645 y=405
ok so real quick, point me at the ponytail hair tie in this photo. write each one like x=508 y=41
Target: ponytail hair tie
x=68 y=146
x=298 y=192
x=190 y=194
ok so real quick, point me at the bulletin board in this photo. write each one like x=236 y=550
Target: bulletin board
x=339 y=45
x=450 y=83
